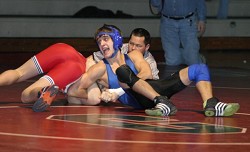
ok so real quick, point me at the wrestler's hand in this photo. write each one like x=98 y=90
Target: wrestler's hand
x=107 y=96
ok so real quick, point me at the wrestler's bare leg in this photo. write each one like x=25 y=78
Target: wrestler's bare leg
x=30 y=94
x=24 y=72
x=204 y=87
x=212 y=106
x=92 y=97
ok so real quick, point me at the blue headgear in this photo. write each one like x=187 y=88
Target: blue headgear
x=116 y=37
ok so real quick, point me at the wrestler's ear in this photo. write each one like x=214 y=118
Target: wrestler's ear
x=147 y=47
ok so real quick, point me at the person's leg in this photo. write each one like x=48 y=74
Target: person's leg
x=43 y=62
x=170 y=41
x=190 y=42
x=63 y=65
x=93 y=97
x=223 y=9
x=167 y=87
x=24 y=72
x=31 y=93
x=57 y=79
x=162 y=104
x=199 y=74
x=203 y=85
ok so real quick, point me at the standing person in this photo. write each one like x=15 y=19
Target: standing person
x=132 y=70
x=223 y=9
x=182 y=21
x=60 y=64
x=140 y=40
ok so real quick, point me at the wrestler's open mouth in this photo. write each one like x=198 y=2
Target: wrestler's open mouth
x=105 y=50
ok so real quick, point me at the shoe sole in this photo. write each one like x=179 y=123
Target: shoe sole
x=158 y=112
x=40 y=105
x=230 y=110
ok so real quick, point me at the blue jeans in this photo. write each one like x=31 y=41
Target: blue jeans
x=179 y=41
x=223 y=9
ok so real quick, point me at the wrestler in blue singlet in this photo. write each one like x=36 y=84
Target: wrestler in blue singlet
x=127 y=98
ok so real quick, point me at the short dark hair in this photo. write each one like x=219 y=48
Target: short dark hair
x=141 y=32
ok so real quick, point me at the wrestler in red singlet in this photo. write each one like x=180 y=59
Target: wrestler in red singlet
x=61 y=63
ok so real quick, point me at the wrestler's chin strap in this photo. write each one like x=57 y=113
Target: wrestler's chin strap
x=114 y=54
x=126 y=75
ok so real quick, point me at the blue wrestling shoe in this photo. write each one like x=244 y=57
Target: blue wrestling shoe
x=215 y=108
x=164 y=107
x=47 y=95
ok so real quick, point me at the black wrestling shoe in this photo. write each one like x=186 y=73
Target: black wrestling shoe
x=164 y=107
x=215 y=108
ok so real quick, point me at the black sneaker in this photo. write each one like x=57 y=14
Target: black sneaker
x=164 y=107
x=215 y=108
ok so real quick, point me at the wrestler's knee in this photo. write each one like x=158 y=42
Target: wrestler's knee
x=26 y=96
x=198 y=72
x=126 y=75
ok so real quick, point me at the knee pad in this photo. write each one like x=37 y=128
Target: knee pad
x=126 y=75
x=198 y=72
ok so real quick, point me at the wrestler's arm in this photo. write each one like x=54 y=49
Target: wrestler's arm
x=145 y=72
x=90 y=77
x=153 y=65
x=86 y=87
x=90 y=61
x=102 y=93
x=93 y=91
x=141 y=65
